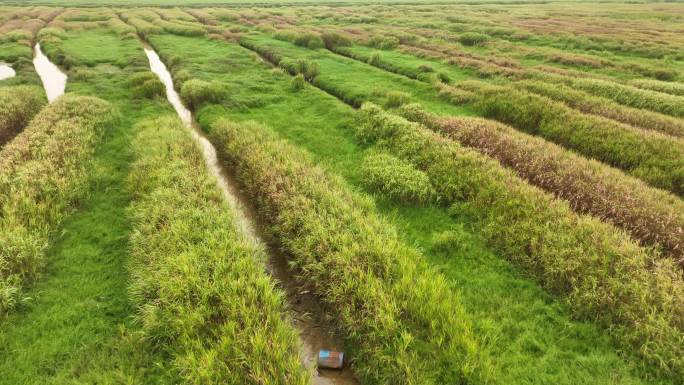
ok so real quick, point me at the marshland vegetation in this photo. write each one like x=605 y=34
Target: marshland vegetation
x=470 y=193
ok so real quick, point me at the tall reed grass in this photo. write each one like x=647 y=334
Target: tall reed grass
x=628 y=95
x=650 y=215
x=598 y=270
x=43 y=173
x=587 y=103
x=18 y=105
x=400 y=319
x=671 y=88
x=650 y=156
x=201 y=288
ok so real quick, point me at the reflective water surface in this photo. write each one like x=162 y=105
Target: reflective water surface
x=6 y=71
x=54 y=80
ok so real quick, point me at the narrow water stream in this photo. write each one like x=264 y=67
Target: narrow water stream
x=307 y=312
x=6 y=71
x=54 y=80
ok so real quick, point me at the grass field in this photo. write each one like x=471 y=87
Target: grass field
x=481 y=193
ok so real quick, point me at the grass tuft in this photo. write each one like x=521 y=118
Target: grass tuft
x=196 y=92
x=396 y=178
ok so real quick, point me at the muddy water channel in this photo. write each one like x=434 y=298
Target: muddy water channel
x=6 y=71
x=54 y=80
x=308 y=316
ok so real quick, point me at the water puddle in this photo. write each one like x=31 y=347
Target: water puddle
x=6 y=71
x=307 y=311
x=54 y=80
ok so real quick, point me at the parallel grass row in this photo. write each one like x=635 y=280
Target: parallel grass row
x=148 y=22
x=275 y=58
x=349 y=80
x=671 y=88
x=401 y=322
x=627 y=95
x=604 y=107
x=599 y=271
x=650 y=215
x=480 y=67
x=650 y=156
x=527 y=333
x=200 y=287
x=18 y=105
x=43 y=172
x=376 y=60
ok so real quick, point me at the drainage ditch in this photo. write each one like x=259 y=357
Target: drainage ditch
x=54 y=80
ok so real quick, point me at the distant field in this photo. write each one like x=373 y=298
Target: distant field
x=279 y=3
x=480 y=193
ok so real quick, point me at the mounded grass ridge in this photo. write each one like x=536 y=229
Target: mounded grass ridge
x=43 y=173
x=650 y=156
x=200 y=288
x=650 y=215
x=601 y=273
x=400 y=320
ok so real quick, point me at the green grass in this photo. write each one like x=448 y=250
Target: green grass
x=606 y=278
x=86 y=48
x=18 y=56
x=77 y=327
x=529 y=335
x=12 y=51
x=408 y=64
x=18 y=105
x=78 y=311
x=353 y=81
x=201 y=285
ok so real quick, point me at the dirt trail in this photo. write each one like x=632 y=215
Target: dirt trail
x=308 y=316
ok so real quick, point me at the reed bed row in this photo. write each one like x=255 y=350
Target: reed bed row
x=650 y=215
x=589 y=104
x=43 y=173
x=650 y=156
x=376 y=60
x=627 y=95
x=200 y=287
x=147 y=22
x=401 y=321
x=598 y=270
x=671 y=88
